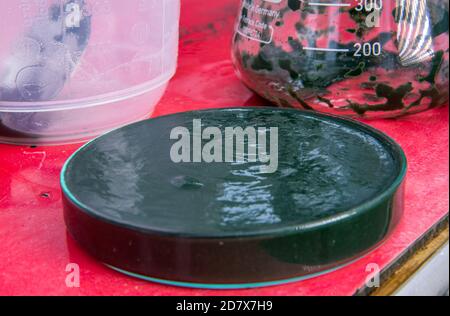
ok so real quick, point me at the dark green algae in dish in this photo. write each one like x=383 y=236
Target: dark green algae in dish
x=333 y=197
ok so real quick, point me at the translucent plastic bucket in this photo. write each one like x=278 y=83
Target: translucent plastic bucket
x=73 y=69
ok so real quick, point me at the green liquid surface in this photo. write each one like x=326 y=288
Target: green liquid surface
x=325 y=167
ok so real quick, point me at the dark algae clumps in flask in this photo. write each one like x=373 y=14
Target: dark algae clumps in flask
x=375 y=59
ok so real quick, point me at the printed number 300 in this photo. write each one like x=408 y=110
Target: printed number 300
x=369 y=5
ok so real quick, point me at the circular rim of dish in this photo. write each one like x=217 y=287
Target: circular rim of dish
x=285 y=230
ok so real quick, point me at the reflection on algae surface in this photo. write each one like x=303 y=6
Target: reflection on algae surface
x=325 y=168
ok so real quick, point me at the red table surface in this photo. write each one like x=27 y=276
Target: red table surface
x=35 y=248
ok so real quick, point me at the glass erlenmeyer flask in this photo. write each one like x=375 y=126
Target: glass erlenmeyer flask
x=371 y=58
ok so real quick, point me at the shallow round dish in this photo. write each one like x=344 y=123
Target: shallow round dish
x=328 y=191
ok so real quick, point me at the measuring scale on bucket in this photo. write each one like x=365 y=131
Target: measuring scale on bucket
x=370 y=58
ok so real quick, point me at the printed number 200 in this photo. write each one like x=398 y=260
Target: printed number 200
x=368 y=49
